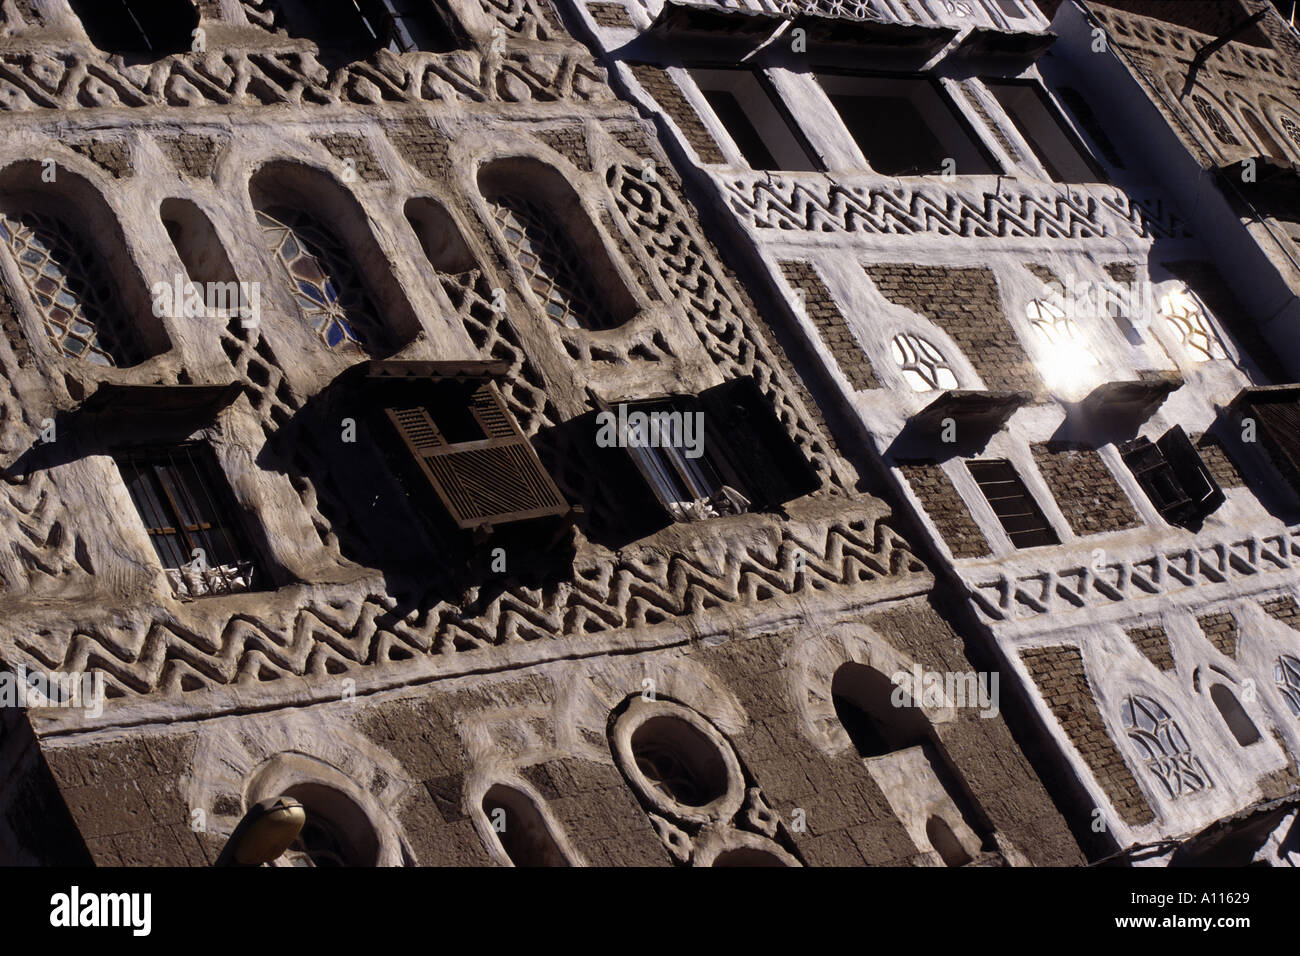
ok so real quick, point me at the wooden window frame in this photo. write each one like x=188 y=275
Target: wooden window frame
x=1174 y=476
x=461 y=472
x=145 y=462
x=1039 y=531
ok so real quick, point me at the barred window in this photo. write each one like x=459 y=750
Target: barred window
x=326 y=286
x=1011 y=501
x=190 y=519
x=553 y=265
x=68 y=288
x=1164 y=749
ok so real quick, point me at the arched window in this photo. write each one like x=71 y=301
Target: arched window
x=748 y=856
x=1262 y=135
x=1292 y=128
x=68 y=287
x=1234 y=715
x=340 y=277
x=862 y=698
x=552 y=240
x=521 y=828
x=1286 y=672
x=1164 y=749
x=337 y=831
x=1215 y=121
x=327 y=289
x=923 y=365
x=147 y=29
x=1189 y=322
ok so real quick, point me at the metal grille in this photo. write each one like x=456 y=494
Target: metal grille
x=184 y=510
x=552 y=264
x=321 y=277
x=66 y=286
x=1011 y=502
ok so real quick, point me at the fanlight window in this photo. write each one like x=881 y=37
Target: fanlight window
x=1165 y=750
x=1214 y=119
x=1056 y=328
x=321 y=277
x=923 y=365
x=1292 y=128
x=1287 y=674
x=66 y=287
x=554 y=267
x=1186 y=317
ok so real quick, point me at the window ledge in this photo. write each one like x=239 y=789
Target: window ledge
x=188 y=583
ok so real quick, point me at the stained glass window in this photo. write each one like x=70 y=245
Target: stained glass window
x=321 y=276
x=66 y=286
x=1165 y=750
x=554 y=267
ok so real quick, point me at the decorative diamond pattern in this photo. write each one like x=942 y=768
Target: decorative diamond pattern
x=552 y=264
x=327 y=288
x=65 y=285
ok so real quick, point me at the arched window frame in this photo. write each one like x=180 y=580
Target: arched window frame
x=1163 y=748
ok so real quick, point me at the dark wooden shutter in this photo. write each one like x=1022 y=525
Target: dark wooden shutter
x=481 y=483
x=741 y=424
x=1159 y=480
x=1198 y=484
x=1020 y=516
x=1278 y=426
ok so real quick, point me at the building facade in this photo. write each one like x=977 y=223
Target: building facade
x=1040 y=260
x=335 y=341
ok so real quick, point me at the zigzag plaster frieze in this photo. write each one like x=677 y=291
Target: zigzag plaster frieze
x=1060 y=591
x=31 y=80
x=821 y=205
x=186 y=650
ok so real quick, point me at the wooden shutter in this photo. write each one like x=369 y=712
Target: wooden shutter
x=1278 y=425
x=1011 y=501
x=482 y=483
x=1159 y=480
x=1198 y=484
x=741 y=424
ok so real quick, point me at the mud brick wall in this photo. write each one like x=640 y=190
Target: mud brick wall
x=126 y=800
x=193 y=154
x=849 y=820
x=1221 y=629
x=569 y=143
x=420 y=145
x=830 y=324
x=1216 y=459
x=1284 y=609
x=965 y=304
x=343 y=147
x=1084 y=488
x=1153 y=642
x=1058 y=672
x=610 y=14
x=668 y=95
x=112 y=156
x=946 y=509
